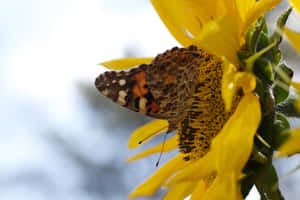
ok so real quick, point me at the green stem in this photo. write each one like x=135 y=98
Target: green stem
x=250 y=61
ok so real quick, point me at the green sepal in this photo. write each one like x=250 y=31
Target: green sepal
x=281 y=21
x=288 y=107
x=258 y=156
x=263 y=70
x=276 y=55
x=265 y=28
x=281 y=93
x=284 y=122
x=265 y=129
x=267 y=183
x=246 y=185
x=253 y=34
x=262 y=42
x=259 y=90
x=281 y=130
x=250 y=35
x=242 y=54
x=248 y=181
x=277 y=35
x=288 y=72
x=283 y=18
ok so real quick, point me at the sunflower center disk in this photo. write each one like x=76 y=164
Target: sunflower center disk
x=206 y=115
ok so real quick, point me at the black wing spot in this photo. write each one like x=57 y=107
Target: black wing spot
x=137 y=103
x=149 y=98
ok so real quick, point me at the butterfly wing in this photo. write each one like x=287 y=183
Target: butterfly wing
x=129 y=89
x=161 y=89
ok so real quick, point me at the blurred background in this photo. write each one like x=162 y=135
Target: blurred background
x=59 y=138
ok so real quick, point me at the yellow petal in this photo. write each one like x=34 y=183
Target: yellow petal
x=293 y=37
x=238 y=133
x=291 y=146
x=169 y=145
x=199 y=191
x=225 y=188
x=244 y=7
x=146 y=132
x=296 y=5
x=197 y=170
x=180 y=191
x=246 y=118
x=233 y=10
x=185 y=18
x=228 y=88
x=159 y=177
x=232 y=80
x=220 y=37
x=297 y=86
x=260 y=7
x=246 y=81
x=176 y=19
x=121 y=64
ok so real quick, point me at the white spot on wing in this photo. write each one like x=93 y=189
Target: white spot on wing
x=142 y=105
x=105 y=92
x=122 y=82
x=121 y=98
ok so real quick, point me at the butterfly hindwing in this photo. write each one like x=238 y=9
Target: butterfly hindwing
x=161 y=89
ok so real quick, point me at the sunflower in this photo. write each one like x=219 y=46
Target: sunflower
x=218 y=157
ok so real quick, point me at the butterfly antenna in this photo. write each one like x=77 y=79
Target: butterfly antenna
x=162 y=149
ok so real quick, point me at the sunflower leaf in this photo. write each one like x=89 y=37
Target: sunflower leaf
x=266 y=127
x=253 y=34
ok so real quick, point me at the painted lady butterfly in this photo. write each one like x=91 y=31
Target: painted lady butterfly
x=161 y=89
x=181 y=85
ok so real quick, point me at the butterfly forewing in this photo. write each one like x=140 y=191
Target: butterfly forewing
x=161 y=89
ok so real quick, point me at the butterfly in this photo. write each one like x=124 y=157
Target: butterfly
x=170 y=88
x=161 y=89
